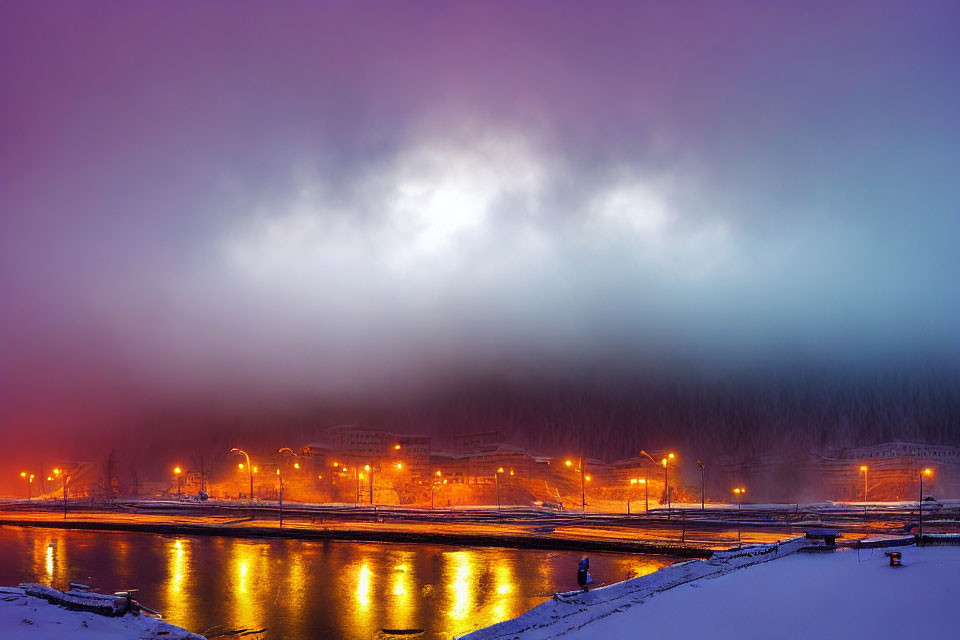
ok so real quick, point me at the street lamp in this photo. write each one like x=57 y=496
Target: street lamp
x=583 y=479
x=496 y=478
x=864 y=469
x=249 y=468
x=666 y=484
x=700 y=464
x=178 y=472
x=926 y=472
x=57 y=473
x=28 y=480
x=280 y=478
x=369 y=470
x=433 y=486
x=739 y=491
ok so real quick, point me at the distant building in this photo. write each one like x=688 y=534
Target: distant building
x=892 y=471
x=478 y=441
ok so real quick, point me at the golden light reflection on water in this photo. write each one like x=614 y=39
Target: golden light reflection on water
x=254 y=584
x=504 y=605
x=303 y=589
x=460 y=583
x=177 y=597
x=402 y=602
x=363 y=586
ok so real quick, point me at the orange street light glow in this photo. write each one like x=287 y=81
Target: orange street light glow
x=400 y=465
x=397 y=447
x=500 y=470
x=568 y=463
x=927 y=471
x=366 y=467
x=296 y=465
x=438 y=473
x=863 y=468
x=240 y=466
x=670 y=456
x=23 y=474
x=588 y=478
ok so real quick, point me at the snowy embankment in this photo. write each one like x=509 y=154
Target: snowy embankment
x=29 y=617
x=567 y=613
x=845 y=594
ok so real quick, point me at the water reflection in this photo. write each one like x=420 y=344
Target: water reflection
x=460 y=573
x=298 y=589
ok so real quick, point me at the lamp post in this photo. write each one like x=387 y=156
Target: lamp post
x=666 y=483
x=369 y=470
x=57 y=473
x=583 y=478
x=280 y=495
x=926 y=472
x=433 y=486
x=249 y=469
x=28 y=480
x=496 y=477
x=864 y=469
x=739 y=491
x=178 y=472
x=700 y=464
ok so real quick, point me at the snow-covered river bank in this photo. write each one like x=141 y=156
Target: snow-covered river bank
x=28 y=618
x=847 y=594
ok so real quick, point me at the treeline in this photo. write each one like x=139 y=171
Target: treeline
x=610 y=415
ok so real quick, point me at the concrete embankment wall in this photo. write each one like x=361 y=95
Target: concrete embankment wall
x=566 y=612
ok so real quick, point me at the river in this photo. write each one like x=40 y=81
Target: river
x=294 y=589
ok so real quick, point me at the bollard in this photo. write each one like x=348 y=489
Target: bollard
x=894 y=558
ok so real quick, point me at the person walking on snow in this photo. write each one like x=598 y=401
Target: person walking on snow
x=583 y=573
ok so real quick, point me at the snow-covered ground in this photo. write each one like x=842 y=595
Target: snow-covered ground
x=846 y=594
x=28 y=618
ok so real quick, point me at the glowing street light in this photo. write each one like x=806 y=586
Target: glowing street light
x=250 y=469
x=62 y=474
x=700 y=464
x=178 y=472
x=926 y=472
x=739 y=492
x=864 y=469
x=433 y=486
x=28 y=479
x=496 y=477
x=666 y=482
x=369 y=470
x=583 y=479
x=280 y=496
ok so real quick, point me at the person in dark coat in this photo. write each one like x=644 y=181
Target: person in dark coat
x=583 y=571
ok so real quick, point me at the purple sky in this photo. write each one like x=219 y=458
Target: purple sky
x=276 y=198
